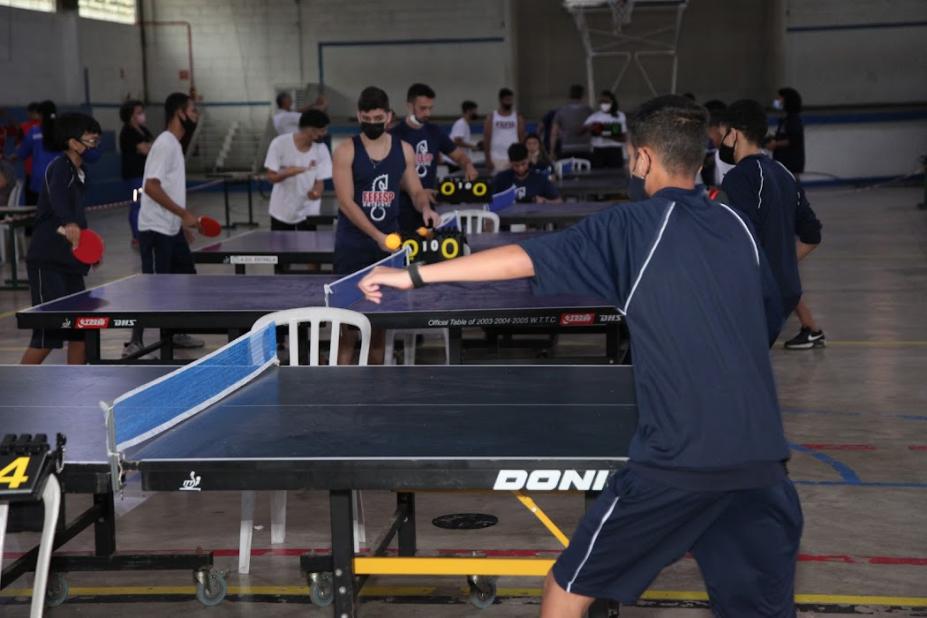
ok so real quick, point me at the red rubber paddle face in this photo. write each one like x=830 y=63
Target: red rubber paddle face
x=89 y=250
x=209 y=227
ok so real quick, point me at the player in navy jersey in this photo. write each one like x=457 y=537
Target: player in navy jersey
x=769 y=195
x=427 y=141
x=531 y=185
x=707 y=465
x=369 y=171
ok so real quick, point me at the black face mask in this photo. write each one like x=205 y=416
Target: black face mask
x=319 y=140
x=189 y=126
x=725 y=152
x=506 y=107
x=373 y=130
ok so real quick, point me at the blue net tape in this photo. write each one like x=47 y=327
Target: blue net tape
x=344 y=292
x=157 y=406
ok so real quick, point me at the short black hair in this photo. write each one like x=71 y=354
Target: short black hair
x=466 y=106
x=791 y=100
x=518 y=152
x=73 y=126
x=32 y=107
x=577 y=91
x=127 y=109
x=748 y=117
x=715 y=112
x=419 y=90
x=175 y=102
x=372 y=98
x=505 y=92
x=675 y=127
x=281 y=97
x=314 y=118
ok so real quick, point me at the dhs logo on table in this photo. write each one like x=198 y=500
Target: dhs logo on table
x=379 y=198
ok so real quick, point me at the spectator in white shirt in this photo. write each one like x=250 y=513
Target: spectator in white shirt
x=461 y=135
x=286 y=120
x=298 y=164
x=608 y=128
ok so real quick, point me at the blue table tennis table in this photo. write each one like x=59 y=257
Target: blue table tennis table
x=231 y=304
x=336 y=429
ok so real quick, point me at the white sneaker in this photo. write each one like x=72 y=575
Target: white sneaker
x=132 y=348
x=183 y=340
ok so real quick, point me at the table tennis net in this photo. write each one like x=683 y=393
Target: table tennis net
x=153 y=408
x=344 y=292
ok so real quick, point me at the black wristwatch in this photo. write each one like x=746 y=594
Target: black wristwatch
x=416 y=276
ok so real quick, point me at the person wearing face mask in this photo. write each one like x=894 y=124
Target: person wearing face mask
x=427 y=141
x=788 y=144
x=707 y=464
x=461 y=135
x=767 y=192
x=501 y=129
x=569 y=137
x=134 y=143
x=607 y=152
x=165 y=226
x=531 y=185
x=53 y=270
x=370 y=170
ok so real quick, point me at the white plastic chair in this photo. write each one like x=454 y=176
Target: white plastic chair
x=470 y=221
x=12 y=202
x=293 y=319
x=573 y=165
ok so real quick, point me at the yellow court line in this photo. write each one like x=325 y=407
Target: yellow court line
x=515 y=567
x=535 y=510
x=419 y=591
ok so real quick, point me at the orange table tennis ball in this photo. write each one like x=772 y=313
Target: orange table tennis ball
x=393 y=242
x=422 y=231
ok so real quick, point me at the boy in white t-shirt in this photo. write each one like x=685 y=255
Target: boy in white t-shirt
x=462 y=136
x=607 y=148
x=164 y=222
x=298 y=164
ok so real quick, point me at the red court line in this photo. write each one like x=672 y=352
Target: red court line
x=491 y=553
x=826 y=446
x=918 y=447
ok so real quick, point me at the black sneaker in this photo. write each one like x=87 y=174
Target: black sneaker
x=806 y=339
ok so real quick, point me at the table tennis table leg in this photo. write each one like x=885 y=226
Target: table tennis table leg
x=251 y=222
x=104 y=528
x=228 y=211
x=405 y=503
x=342 y=526
x=167 y=345
x=92 y=346
x=455 y=345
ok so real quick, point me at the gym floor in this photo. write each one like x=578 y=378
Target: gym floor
x=855 y=413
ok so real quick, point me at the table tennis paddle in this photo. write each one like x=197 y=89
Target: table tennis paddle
x=209 y=227
x=89 y=248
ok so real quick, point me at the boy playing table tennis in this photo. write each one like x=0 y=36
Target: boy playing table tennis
x=369 y=171
x=707 y=470
x=531 y=185
x=53 y=270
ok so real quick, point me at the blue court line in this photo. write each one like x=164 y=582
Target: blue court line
x=847 y=474
x=912 y=417
x=788 y=410
x=875 y=26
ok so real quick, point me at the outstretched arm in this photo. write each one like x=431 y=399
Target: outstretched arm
x=501 y=263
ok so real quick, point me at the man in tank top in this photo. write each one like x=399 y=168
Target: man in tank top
x=369 y=172
x=502 y=128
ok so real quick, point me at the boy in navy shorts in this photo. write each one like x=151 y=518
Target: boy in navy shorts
x=53 y=270
x=369 y=171
x=706 y=471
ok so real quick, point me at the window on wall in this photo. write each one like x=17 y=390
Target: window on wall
x=33 y=5
x=121 y=11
